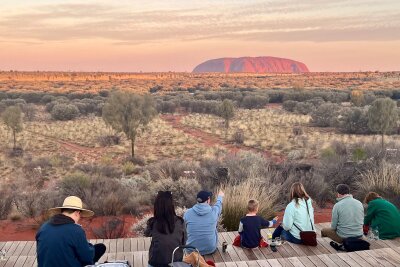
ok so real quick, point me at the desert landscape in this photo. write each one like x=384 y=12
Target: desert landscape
x=281 y=128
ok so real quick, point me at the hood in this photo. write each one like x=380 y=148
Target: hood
x=60 y=219
x=202 y=209
x=344 y=197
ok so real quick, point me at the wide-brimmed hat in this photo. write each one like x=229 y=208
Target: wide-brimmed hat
x=74 y=203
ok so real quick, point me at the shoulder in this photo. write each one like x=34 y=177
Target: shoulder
x=179 y=219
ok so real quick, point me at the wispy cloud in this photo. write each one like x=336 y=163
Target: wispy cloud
x=282 y=20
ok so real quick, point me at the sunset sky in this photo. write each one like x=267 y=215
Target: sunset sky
x=163 y=35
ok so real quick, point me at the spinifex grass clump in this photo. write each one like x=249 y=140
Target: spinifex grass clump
x=236 y=198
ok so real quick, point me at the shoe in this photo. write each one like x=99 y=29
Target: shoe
x=336 y=246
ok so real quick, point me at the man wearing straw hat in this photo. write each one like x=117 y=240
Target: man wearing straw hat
x=62 y=241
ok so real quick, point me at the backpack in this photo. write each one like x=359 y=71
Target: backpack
x=351 y=244
x=120 y=263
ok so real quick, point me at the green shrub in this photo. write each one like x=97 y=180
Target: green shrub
x=64 y=112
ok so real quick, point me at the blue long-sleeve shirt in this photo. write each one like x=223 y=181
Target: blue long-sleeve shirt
x=249 y=230
x=201 y=226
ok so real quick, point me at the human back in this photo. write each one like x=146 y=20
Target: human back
x=201 y=223
x=348 y=216
x=382 y=216
x=167 y=231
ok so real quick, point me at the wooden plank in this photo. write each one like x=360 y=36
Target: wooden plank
x=250 y=254
x=111 y=256
x=217 y=256
x=274 y=263
x=224 y=255
x=137 y=259
x=220 y=264
x=371 y=260
x=307 y=262
x=113 y=245
x=239 y=251
x=134 y=244
x=252 y=264
x=20 y=261
x=11 y=261
x=296 y=262
x=267 y=252
x=12 y=248
x=257 y=252
x=289 y=249
x=378 y=256
x=297 y=249
x=120 y=245
x=127 y=244
x=32 y=251
x=27 y=248
x=324 y=242
x=19 y=248
x=241 y=264
x=327 y=261
x=147 y=242
x=230 y=264
x=357 y=258
x=285 y=262
x=263 y=263
x=106 y=242
x=230 y=250
x=145 y=258
x=349 y=260
x=29 y=261
x=140 y=244
x=317 y=261
x=335 y=258
x=389 y=255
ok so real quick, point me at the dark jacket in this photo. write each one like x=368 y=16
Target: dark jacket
x=385 y=216
x=162 y=245
x=62 y=243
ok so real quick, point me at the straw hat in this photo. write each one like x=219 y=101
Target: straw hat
x=74 y=203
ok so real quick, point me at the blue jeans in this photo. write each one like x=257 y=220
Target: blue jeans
x=285 y=235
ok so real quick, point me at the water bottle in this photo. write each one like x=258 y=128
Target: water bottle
x=375 y=233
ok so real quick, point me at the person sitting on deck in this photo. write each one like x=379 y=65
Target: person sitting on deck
x=250 y=227
x=62 y=242
x=167 y=231
x=347 y=216
x=382 y=216
x=201 y=223
x=299 y=214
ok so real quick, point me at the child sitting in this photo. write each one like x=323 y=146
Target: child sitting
x=250 y=227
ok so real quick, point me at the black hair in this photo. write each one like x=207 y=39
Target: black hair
x=343 y=189
x=164 y=212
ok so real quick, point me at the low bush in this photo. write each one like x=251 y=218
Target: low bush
x=6 y=201
x=64 y=112
x=111 y=228
x=237 y=196
x=384 y=179
x=326 y=115
x=238 y=137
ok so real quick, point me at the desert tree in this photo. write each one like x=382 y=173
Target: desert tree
x=382 y=116
x=12 y=118
x=129 y=113
x=227 y=112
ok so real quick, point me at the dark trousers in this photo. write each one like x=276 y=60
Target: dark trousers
x=99 y=250
x=286 y=235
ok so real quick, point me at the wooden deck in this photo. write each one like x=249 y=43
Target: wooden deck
x=135 y=250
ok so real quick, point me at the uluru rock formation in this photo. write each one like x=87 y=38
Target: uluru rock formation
x=251 y=65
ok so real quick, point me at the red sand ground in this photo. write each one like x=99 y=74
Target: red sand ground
x=24 y=230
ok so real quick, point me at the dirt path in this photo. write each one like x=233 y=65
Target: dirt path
x=81 y=153
x=211 y=140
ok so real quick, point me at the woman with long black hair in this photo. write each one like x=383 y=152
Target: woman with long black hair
x=167 y=231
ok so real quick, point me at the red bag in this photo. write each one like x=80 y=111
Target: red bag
x=308 y=238
x=237 y=242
